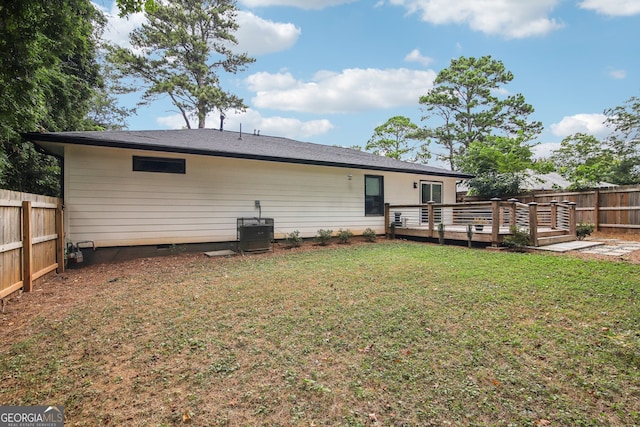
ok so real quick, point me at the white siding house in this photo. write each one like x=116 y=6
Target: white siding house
x=118 y=191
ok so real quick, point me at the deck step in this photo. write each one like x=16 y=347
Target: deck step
x=551 y=240
x=552 y=233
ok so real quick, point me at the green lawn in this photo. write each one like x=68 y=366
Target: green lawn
x=391 y=333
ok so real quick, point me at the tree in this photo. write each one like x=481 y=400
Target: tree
x=499 y=164
x=465 y=103
x=104 y=111
x=48 y=72
x=184 y=46
x=132 y=6
x=625 y=141
x=391 y=139
x=587 y=161
x=497 y=154
x=583 y=160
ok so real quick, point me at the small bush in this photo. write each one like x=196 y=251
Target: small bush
x=324 y=237
x=369 y=235
x=518 y=240
x=584 y=230
x=293 y=239
x=344 y=236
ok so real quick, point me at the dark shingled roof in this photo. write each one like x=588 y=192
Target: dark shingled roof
x=211 y=142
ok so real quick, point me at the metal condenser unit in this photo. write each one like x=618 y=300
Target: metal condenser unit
x=255 y=234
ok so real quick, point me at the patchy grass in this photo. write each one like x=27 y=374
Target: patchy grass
x=392 y=333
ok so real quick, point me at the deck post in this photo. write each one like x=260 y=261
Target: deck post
x=533 y=223
x=387 y=219
x=432 y=220
x=554 y=214
x=495 y=221
x=513 y=213
x=572 y=220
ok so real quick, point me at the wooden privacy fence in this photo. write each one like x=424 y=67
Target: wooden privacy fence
x=31 y=239
x=614 y=209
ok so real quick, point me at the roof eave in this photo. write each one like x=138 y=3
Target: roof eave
x=78 y=140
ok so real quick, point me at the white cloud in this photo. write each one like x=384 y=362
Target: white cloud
x=118 y=29
x=264 y=81
x=258 y=36
x=302 y=4
x=255 y=35
x=416 y=56
x=618 y=74
x=544 y=150
x=613 y=7
x=351 y=90
x=252 y=120
x=592 y=124
x=512 y=19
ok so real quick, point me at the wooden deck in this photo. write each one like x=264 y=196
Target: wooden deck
x=546 y=223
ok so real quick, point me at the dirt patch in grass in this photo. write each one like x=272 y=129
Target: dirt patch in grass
x=392 y=333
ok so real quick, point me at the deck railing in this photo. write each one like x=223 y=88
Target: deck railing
x=496 y=215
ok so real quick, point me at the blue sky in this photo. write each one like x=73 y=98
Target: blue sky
x=330 y=71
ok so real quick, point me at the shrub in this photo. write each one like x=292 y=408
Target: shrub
x=293 y=239
x=344 y=236
x=584 y=230
x=369 y=235
x=518 y=240
x=324 y=237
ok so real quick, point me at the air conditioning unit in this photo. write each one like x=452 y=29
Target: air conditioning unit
x=255 y=234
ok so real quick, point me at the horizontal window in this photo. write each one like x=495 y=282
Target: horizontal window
x=159 y=164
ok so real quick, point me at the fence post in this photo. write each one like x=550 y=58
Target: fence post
x=387 y=224
x=533 y=223
x=27 y=282
x=554 y=214
x=596 y=209
x=495 y=221
x=432 y=220
x=60 y=240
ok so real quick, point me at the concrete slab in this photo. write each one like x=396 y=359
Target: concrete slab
x=569 y=246
x=226 y=252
